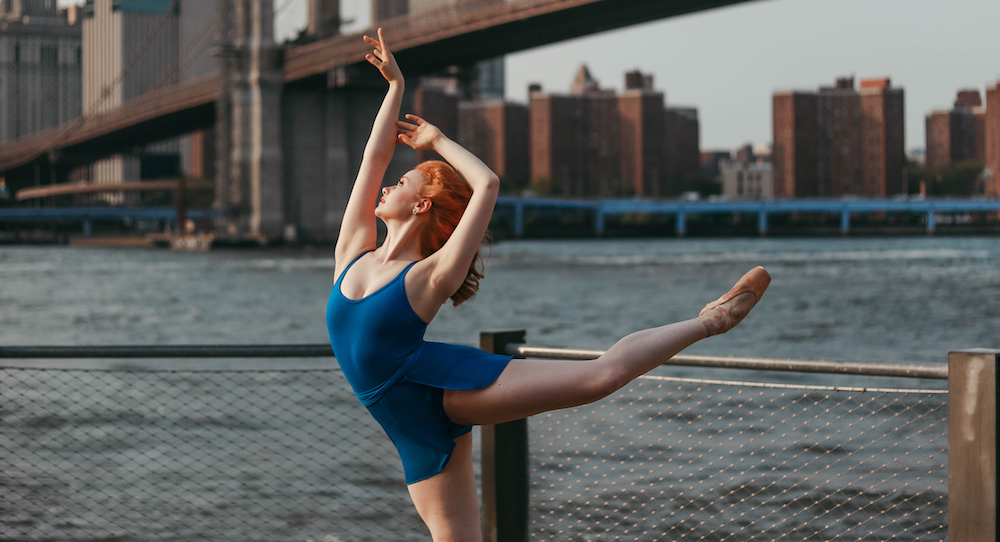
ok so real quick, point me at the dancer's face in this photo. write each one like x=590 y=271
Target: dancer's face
x=399 y=200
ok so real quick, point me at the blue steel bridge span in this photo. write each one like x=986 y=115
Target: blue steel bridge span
x=680 y=209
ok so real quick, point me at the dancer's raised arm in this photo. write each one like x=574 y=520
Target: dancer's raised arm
x=357 y=231
x=452 y=261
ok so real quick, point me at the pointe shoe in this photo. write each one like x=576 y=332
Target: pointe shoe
x=719 y=317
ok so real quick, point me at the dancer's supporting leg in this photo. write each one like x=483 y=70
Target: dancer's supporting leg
x=447 y=501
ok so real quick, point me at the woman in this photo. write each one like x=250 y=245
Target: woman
x=427 y=395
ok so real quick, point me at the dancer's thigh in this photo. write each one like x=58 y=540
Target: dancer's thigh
x=529 y=386
x=447 y=501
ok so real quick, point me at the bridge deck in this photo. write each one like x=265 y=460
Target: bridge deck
x=423 y=42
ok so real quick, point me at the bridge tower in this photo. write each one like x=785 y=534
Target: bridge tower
x=249 y=173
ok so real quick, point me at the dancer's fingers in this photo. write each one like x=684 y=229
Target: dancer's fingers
x=373 y=61
x=381 y=39
x=372 y=41
x=415 y=118
x=406 y=125
x=405 y=139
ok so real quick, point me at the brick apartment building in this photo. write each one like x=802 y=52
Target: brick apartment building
x=498 y=133
x=991 y=139
x=593 y=142
x=883 y=154
x=957 y=134
x=575 y=143
x=839 y=141
x=438 y=105
x=682 y=148
x=796 y=172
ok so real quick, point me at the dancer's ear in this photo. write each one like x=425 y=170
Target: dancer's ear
x=422 y=206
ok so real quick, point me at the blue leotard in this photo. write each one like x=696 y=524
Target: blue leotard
x=400 y=377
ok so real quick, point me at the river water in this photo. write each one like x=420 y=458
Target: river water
x=871 y=299
x=880 y=299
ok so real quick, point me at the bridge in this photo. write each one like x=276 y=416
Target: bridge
x=931 y=209
x=327 y=74
x=680 y=209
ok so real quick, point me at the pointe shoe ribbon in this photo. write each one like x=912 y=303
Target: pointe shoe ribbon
x=718 y=318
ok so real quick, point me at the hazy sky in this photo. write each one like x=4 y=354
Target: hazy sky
x=727 y=62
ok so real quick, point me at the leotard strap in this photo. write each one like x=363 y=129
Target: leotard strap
x=344 y=272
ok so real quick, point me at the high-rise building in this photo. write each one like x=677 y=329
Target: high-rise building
x=991 y=130
x=593 y=142
x=121 y=62
x=497 y=133
x=40 y=67
x=795 y=144
x=883 y=151
x=437 y=105
x=839 y=141
x=642 y=128
x=957 y=134
x=681 y=148
x=574 y=142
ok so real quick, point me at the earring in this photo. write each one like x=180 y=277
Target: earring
x=414 y=210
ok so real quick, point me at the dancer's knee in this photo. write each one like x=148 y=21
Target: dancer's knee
x=607 y=378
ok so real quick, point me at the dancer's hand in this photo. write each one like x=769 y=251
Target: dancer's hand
x=382 y=59
x=421 y=136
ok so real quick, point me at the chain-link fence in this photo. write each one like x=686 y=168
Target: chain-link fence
x=677 y=459
x=195 y=455
x=280 y=454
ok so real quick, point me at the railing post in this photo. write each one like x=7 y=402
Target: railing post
x=762 y=223
x=518 y=218
x=504 y=463
x=972 y=445
x=599 y=219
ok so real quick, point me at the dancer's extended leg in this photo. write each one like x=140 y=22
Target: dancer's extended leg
x=530 y=386
x=527 y=387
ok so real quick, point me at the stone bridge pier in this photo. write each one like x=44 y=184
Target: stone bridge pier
x=290 y=151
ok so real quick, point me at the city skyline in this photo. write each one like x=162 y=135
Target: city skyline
x=733 y=95
x=730 y=79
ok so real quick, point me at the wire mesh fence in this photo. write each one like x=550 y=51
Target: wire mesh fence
x=195 y=455
x=291 y=455
x=681 y=459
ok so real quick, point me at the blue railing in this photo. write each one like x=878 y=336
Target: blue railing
x=762 y=208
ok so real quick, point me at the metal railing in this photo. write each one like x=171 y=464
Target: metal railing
x=140 y=452
x=671 y=458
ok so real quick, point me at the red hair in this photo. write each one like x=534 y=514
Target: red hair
x=449 y=195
